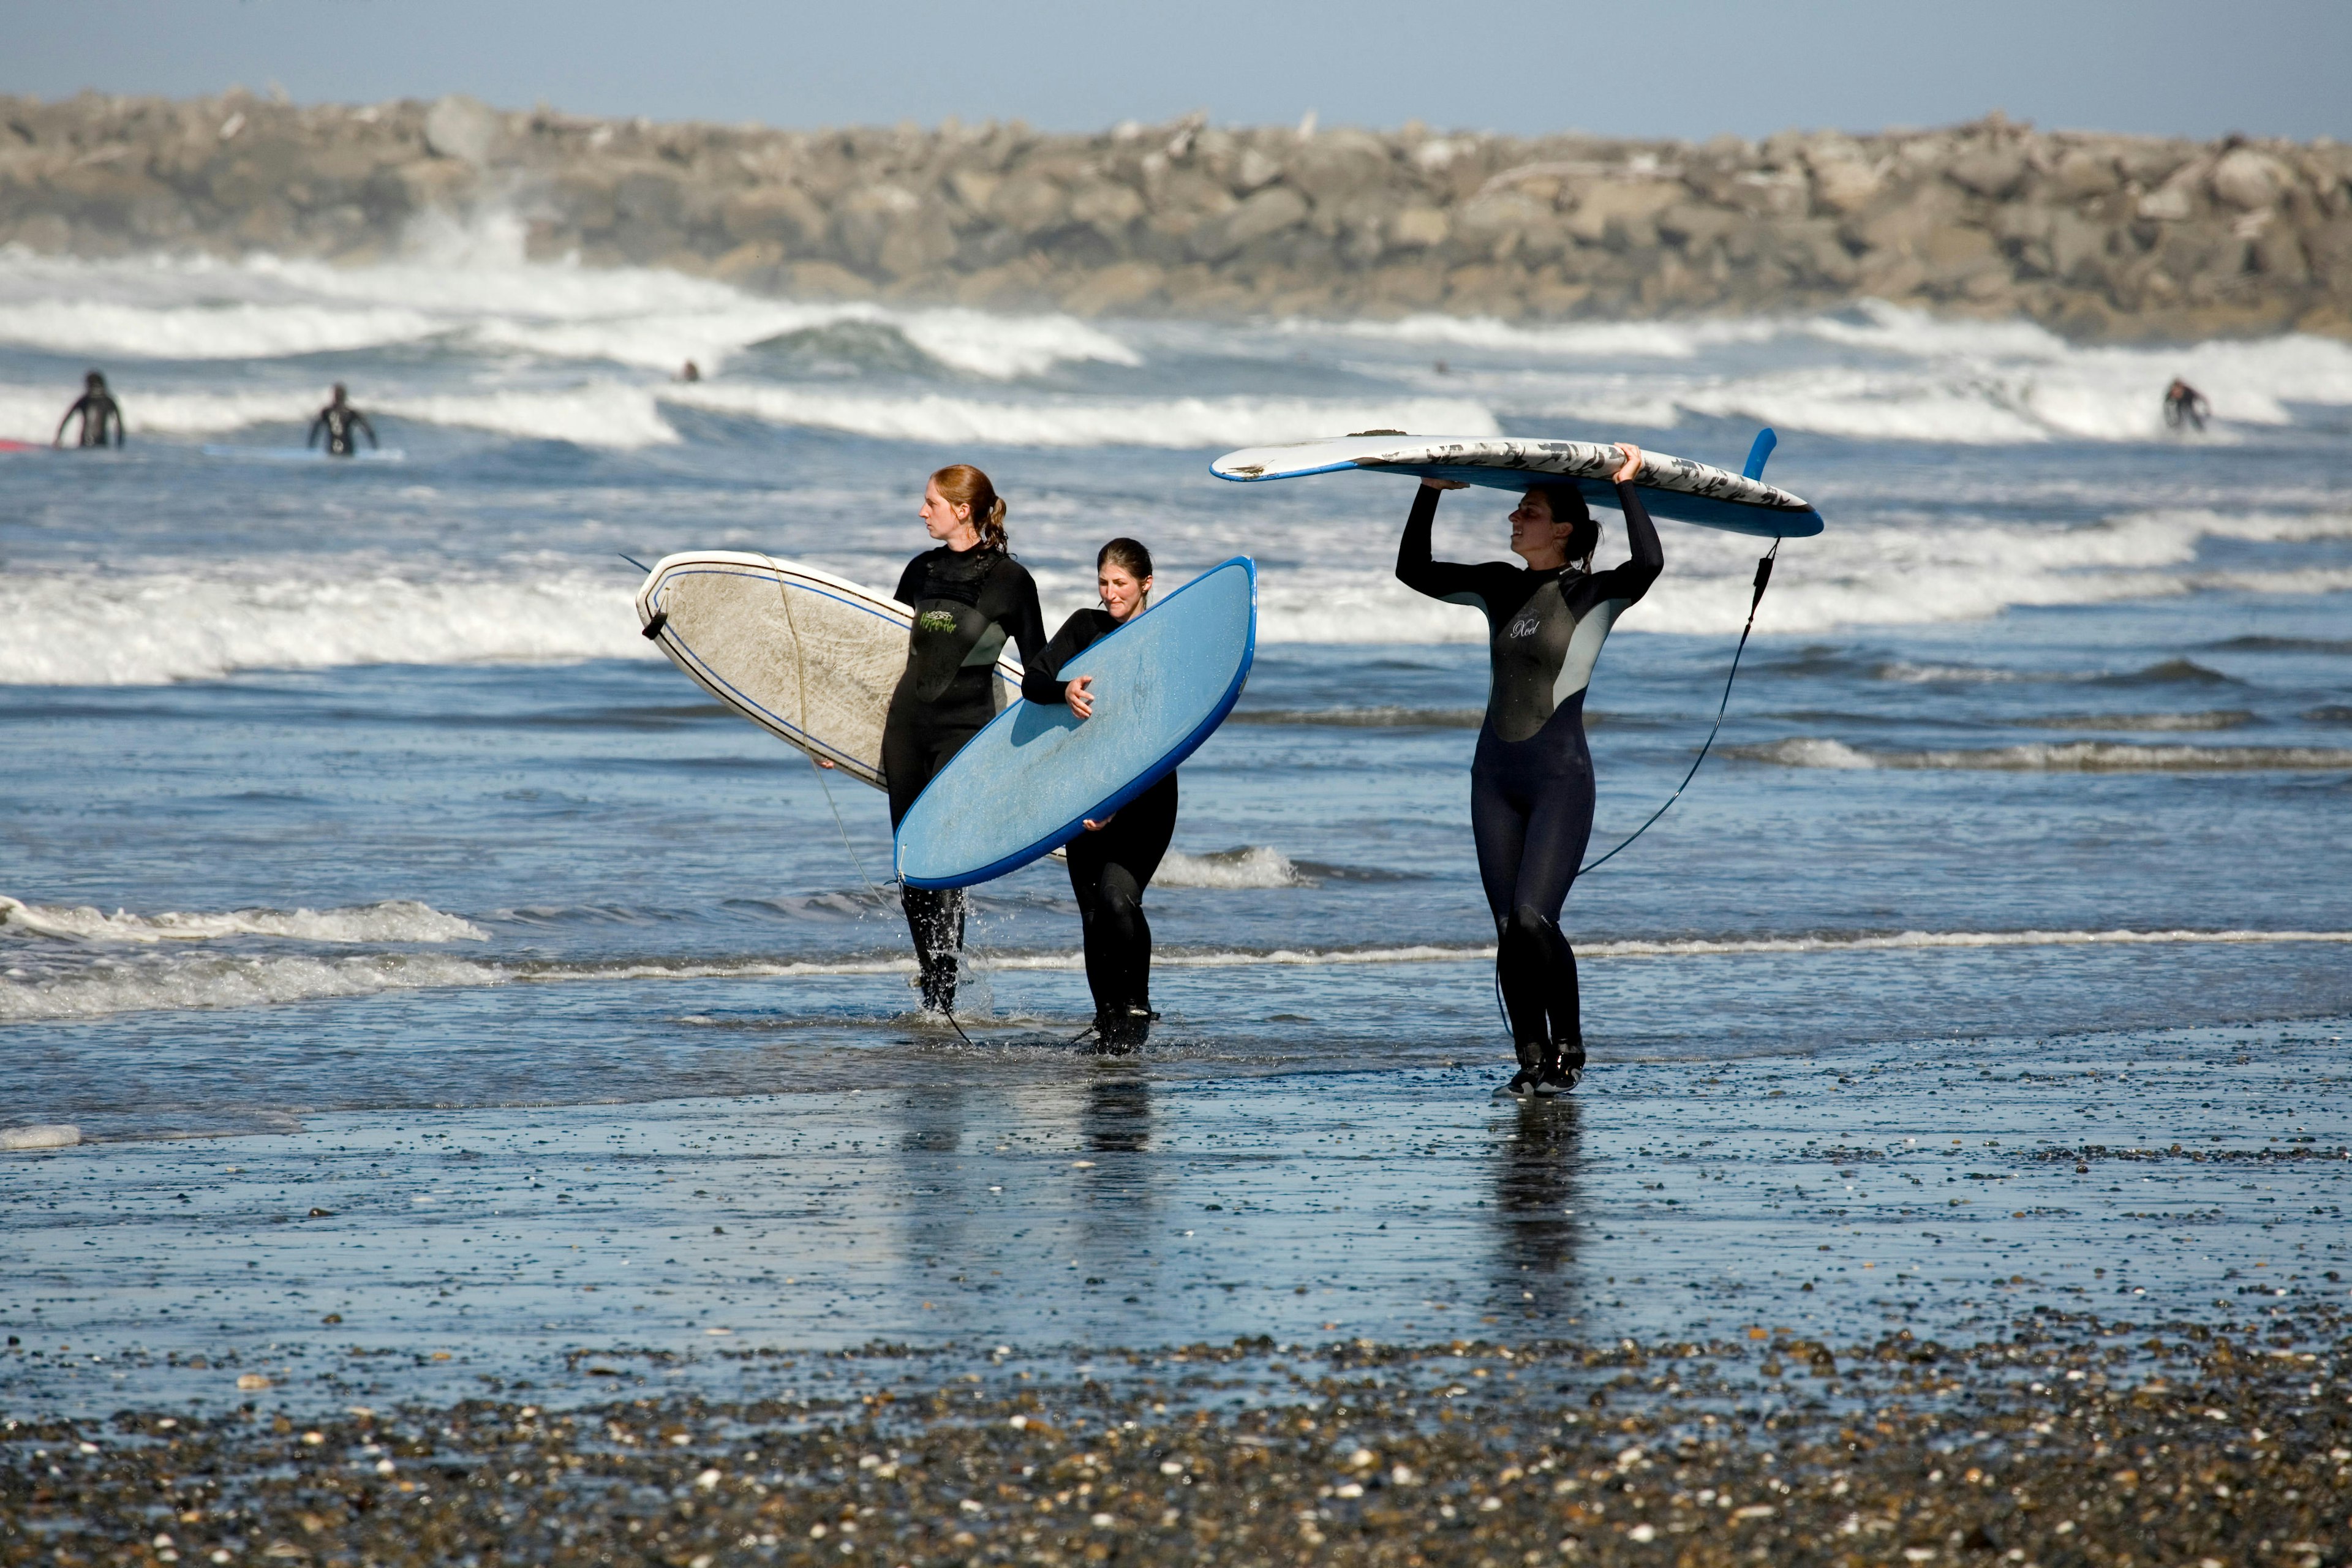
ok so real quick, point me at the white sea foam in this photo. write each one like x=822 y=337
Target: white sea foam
x=395 y=920
x=2056 y=756
x=88 y=628
x=1171 y=422
x=1249 y=865
x=220 y=982
x=184 y=981
x=1613 y=340
x=470 y=288
x=49 y=1135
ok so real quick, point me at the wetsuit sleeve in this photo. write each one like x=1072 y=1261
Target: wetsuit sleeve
x=121 y=431
x=910 y=582
x=58 y=439
x=1447 y=580
x=1632 y=580
x=361 y=421
x=1041 y=677
x=1027 y=623
x=317 y=425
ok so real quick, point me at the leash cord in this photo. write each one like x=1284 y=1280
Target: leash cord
x=1763 y=576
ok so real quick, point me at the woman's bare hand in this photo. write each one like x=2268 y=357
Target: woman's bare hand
x=1438 y=484
x=1630 y=467
x=1081 y=701
x=1093 y=827
x=827 y=763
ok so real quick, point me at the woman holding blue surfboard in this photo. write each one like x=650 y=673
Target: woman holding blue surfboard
x=1111 y=860
x=1531 y=791
x=970 y=596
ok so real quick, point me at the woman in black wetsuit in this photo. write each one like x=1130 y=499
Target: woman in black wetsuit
x=1111 y=861
x=970 y=596
x=1531 y=783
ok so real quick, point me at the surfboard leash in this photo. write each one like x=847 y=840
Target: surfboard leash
x=1763 y=577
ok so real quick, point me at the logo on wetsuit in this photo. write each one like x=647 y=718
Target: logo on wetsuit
x=1525 y=627
x=939 y=621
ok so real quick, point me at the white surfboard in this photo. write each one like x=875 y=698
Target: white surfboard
x=1675 y=486
x=806 y=655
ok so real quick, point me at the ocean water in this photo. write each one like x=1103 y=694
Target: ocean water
x=345 y=789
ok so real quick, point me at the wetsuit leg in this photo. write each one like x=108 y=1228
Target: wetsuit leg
x=1108 y=871
x=1498 y=826
x=912 y=755
x=1531 y=812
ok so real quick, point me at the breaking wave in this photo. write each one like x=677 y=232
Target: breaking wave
x=1248 y=866
x=395 y=920
x=2055 y=757
x=1174 y=422
x=78 y=628
x=188 y=981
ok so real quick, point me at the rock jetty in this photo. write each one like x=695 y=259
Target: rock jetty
x=2102 y=237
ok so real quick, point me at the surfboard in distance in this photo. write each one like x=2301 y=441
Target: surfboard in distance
x=300 y=454
x=806 y=655
x=1027 y=784
x=1673 y=487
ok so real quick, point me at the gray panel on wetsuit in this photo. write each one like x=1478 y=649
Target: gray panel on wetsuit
x=1543 y=655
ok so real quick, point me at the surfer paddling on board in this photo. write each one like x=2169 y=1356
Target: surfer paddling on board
x=970 y=596
x=1531 y=781
x=1112 y=860
x=96 y=408
x=339 y=419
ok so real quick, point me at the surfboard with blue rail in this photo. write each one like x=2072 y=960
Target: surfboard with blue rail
x=1671 y=486
x=1028 y=783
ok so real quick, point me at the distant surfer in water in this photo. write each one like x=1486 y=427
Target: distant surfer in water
x=1531 y=783
x=96 y=409
x=1112 y=860
x=339 y=419
x=970 y=597
x=2185 y=406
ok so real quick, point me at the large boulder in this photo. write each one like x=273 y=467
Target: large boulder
x=2248 y=180
x=462 y=128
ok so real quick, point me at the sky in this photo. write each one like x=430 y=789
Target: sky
x=1689 y=69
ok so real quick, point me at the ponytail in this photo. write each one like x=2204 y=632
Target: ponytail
x=963 y=485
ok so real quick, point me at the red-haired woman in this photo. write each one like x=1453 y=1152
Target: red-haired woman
x=970 y=597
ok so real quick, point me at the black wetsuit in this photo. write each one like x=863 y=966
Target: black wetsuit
x=339 y=420
x=96 y=410
x=967 y=606
x=1110 y=865
x=2184 y=404
x=1531 y=783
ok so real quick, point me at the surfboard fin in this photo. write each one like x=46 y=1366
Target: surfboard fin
x=654 y=628
x=1756 y=453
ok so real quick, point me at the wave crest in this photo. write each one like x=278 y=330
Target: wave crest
x=394 y=919
x=2057 y=756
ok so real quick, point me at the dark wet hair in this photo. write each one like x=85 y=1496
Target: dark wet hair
x=1129 y=553
x=94 y=382
x=1566 y=503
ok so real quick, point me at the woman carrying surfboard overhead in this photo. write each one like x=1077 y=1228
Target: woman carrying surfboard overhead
x=970 y=596
x=1531 y=781
x=1112 y=860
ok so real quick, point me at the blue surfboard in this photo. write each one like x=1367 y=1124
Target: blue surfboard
x=1026 y=785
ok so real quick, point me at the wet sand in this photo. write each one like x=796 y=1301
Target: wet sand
x=2020 y=1268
